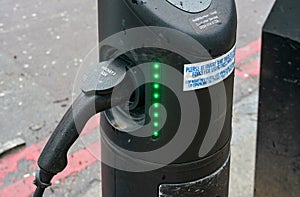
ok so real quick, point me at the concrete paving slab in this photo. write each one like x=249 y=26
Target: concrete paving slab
x=243 y=146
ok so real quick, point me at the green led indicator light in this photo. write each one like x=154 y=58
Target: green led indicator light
x=155 y=124
x=156 y=134
x=156 y=65
x=156 y=86
x=156 y=95
x=156 y=105
x=156 y=76
x=156 y=115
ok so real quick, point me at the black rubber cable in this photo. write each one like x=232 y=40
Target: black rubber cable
x=39 y=192
x=53 y=158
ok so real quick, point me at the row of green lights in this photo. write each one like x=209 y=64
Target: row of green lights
x=156 y=95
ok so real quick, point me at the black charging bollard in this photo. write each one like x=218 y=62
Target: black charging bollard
x=165 y=84
x=212 y=24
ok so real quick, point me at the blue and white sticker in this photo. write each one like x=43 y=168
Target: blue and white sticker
x=204 y=74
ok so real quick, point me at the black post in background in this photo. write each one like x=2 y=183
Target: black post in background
x=278 y=140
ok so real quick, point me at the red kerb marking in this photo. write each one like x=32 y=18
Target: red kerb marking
x=248 y=51
x=9 y=164
x=77 y=162
x=251 y=68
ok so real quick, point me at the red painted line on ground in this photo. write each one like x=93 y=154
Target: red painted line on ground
x=9 y=164
x=247 y=51
x=251 y=68
x=20 y=188
x=78 y=161
x=92 y=124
